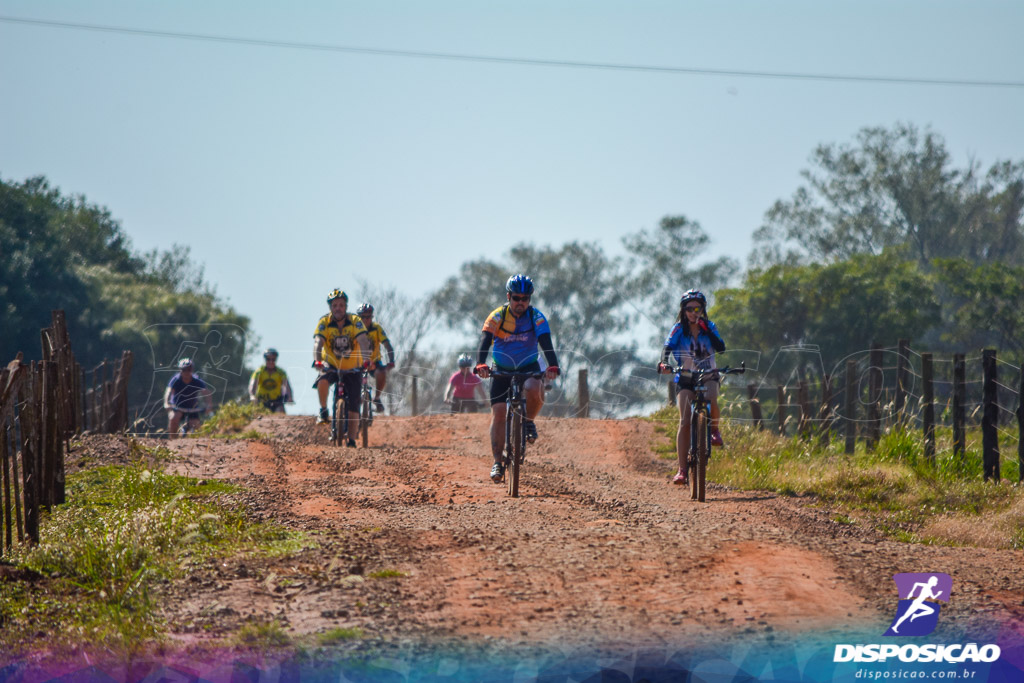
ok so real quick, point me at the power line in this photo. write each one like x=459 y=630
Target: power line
x=522 y=61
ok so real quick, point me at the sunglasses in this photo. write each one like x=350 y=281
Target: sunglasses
x=520 y=298
x=692 y=309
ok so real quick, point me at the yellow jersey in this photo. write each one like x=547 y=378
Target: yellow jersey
x=269 y=383
x=340 y=348
x=377 y=337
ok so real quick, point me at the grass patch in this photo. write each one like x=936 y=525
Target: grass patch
x=893 y=487
x=386 y=574
x=102 y=556
x=263 y=635
x=231 y=420
x=339 y=635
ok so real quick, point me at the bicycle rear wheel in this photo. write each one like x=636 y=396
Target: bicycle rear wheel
x=515 y=458
x=702 y=454
x=366 y=415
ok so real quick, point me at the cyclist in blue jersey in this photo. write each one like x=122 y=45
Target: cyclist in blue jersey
x=186 y=396
x=692 y=344
x=517 y=330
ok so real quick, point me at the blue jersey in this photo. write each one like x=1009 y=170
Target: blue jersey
x=515 y=339
x=694 y=353
x=185 y=396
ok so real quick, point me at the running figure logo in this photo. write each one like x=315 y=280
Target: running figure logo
x=915 y=616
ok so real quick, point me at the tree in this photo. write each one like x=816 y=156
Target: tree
x=841 y=308
x=663 y=265
x=64 y=253
x=983 y=305
x=896 y=189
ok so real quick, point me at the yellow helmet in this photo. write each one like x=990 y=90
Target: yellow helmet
x=336 y=294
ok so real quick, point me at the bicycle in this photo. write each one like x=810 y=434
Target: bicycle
x=365 y=406
x=190 y=421
x=339 y=416
x=700 y=424
x=274 y=405
x=515 y=414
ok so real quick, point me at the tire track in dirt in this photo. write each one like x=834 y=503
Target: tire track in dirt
x=598 y=549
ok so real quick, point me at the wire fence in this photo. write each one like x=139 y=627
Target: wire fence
x=898 y=386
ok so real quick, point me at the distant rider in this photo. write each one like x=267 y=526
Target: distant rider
x=692 y=344
x=379 y=338
x=516 y=329
x=269 y=384
x=340 y=344
x=186 y=396
x=464 y=387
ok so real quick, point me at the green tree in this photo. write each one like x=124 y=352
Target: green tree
x=663 y=264
x=63 y=253
x=840 y=308
x=896 y=189
x=983 y=305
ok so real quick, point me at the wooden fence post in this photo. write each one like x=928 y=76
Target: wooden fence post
x=875 y=391
x=1020 y=427
x=755 y=406
x=902 y=378
x=851 y=406
x=825 y=411
x=415 y=407
x=990 y=416
x=584 y=395
x=803 y=399
x=928 y=406
x=781 y=412
x=5 y=434
x=30 y=455
x=959 y=410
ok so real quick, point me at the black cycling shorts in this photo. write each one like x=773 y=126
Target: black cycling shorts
x=500 y=385
x=351 y=385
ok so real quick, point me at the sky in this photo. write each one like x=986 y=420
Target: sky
x=292 y=170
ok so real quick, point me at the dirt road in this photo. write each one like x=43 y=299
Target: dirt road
x=414 y=541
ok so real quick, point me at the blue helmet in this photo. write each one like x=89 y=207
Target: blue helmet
x=694 y=295
x=519 y=284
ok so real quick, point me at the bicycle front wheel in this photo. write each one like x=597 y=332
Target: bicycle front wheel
x=338 y=420
x=702 y=454
x=366 y=416
x=516 y=442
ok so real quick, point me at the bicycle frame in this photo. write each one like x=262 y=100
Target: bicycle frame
x=365 y=407
x=190 y=421
x=339 y=423
x=700 y=424
x=515 y=416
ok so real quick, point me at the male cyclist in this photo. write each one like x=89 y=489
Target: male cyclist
x=339 y=344
x=269 y=384
x=186 y=396
x=516 y=329
x=378 y=337
x=463 y=387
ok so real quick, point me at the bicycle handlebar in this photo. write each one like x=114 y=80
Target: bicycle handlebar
x=702 y=375
x=495 y=372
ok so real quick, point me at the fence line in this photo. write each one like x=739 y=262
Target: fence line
x=42 y=405
x=864 y=399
